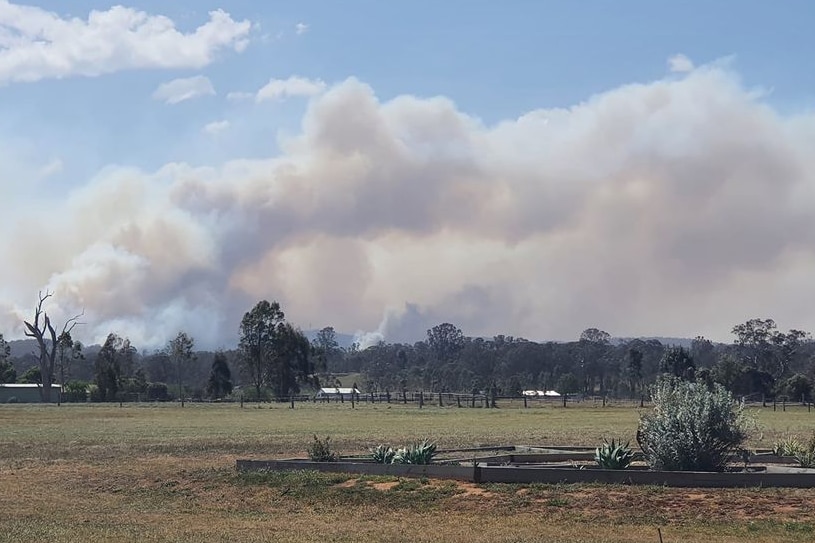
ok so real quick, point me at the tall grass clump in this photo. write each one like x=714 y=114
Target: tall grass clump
x=692 y=427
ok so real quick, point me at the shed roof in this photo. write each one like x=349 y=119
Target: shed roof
x=335 y=390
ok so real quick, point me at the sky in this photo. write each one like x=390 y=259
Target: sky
x=527 y=168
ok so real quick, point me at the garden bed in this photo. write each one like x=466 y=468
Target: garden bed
x=553 y=465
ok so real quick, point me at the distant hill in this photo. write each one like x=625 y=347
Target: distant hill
x=22 y=347
x=672 y=341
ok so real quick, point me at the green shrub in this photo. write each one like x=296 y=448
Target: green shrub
x=613 y=455
x=320 y=450
x=692 y=427
x=416 y=453
x=383 y=454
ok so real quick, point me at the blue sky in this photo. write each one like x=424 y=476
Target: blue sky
x=495 y=60
x=104 y=102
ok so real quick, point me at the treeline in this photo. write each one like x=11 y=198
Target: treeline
x=762 y=361
x=275 y=360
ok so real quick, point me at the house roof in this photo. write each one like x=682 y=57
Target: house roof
x=547 y=393
x=26 y=385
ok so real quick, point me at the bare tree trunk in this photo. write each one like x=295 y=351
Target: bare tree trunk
x=47 y=345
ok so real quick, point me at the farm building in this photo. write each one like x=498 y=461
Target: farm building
x=25 y=393
x=334 y=393
x=541 y=393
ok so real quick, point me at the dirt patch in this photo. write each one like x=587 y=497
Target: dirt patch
x=470 y=489
x=384 y=487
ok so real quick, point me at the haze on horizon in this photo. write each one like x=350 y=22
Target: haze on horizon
x=166 y=168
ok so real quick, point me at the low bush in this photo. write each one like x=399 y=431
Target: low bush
x=320 y=450
x=692 y=427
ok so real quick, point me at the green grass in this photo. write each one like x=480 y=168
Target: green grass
x=162 y=473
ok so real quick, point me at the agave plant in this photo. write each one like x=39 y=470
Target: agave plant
x=806 y=453
x=613 y=455
x=787 y=446
x=383 y=454
x=417 y=453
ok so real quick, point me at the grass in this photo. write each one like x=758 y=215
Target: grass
x=163 y=473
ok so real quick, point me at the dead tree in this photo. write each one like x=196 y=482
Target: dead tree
x=43 y=331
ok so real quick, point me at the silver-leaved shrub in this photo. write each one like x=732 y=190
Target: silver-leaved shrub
x=692 y=427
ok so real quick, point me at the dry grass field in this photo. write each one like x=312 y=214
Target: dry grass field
x=146 y=473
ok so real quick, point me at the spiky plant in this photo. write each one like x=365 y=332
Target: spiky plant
x=787 y=446
x=613 y=455
x=806 y=453
x=416 y=453
x=383 y=454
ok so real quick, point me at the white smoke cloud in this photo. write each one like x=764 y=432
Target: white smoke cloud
x=675 y=207
x=680 y=63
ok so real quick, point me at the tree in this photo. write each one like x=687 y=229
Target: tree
x=633 y=369
x=68 y=350
x=258 y=334
x=325 y=347
x=678 y=362
x=797 y=387
x=42 y=330
x=703 y=352
x=727 y=371
x=31 y=376
x=272 y=351
x=765 y=348
x=220 y=378
x=180 y=351
x=108 y=368
x=568 y=383
x=594 y=347
x=291 y=362
x=7 y=372
x=446 y=341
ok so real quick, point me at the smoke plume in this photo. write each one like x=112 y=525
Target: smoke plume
x=678 y=207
